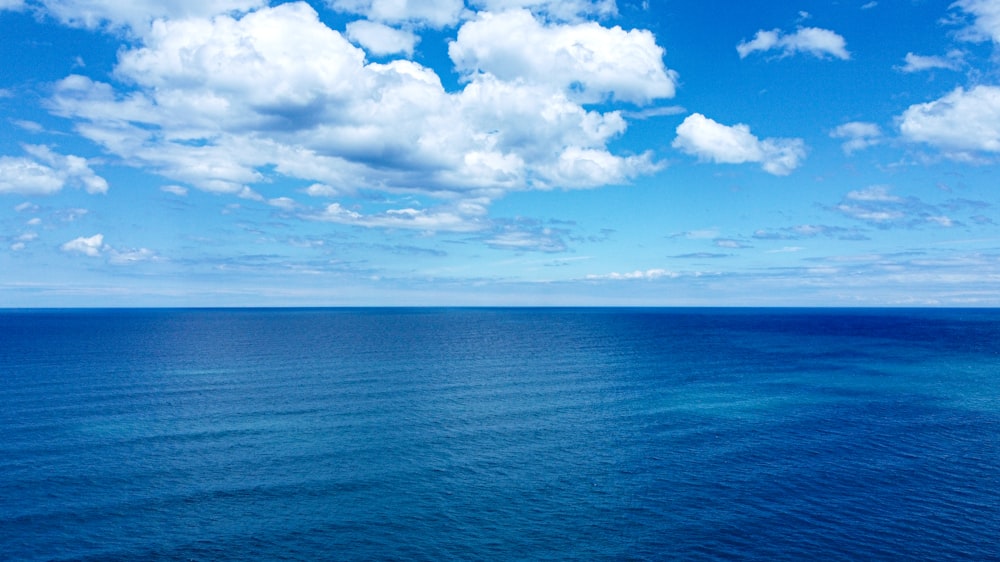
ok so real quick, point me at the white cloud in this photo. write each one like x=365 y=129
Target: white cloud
x=91 y=246
x=46 y=173
x=175 y=189
x=859 y=135
x=138 y=14
x=283 y=203
x=217 y=100
x=544 y=240
x=380 y=39
x=126 y=257
x=875 y=193
x=918 y=63
x=869 y=5
x=812 y=40
x=986 y=15
x=648 y=275
x=435 y=13
x=30 y=126
x=27 y=177
x=961 y=121
x=565 y=10
x=712 y=141
x=587 y=61
x=322 y=190
x=466 y=218
x=13 y=5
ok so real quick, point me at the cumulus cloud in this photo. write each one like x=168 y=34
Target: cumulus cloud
x=918 y=63
x=380 y=39
x=859 y=135
x=812 y=40
x=434 y=13
x=89 y=246
x=588 y=61
x=960 y=122
x=47 y=172
x=711 y=141
x=94 y=246
x=225 y=103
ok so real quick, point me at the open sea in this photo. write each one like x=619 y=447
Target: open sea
x=500 y=434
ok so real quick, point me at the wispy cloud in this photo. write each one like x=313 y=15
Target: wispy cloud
x=879 y=207
x=637 y=275
x=46 y=172
x=859 y=135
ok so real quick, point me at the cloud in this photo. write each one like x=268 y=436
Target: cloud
x=128 y=257
x=729 y=243
x=94 y=246
x=646 y=275
x=136 y=15
x=283 y=203
x=13 y=5
x=957 y=123
x=226 y=103
x=588 y=62
x=91 y=246
x=543 y=240
x=380 y=39
x=433 y=13
x=803 y=231
x=466 y=218
x=986 y=19
x=322 y=190
x=812 y=40
x=565 y=10
x=917 y=63
x=47 y=172
x=175 y=189
x=878 y=207
x=859 y=135
x=711 y=141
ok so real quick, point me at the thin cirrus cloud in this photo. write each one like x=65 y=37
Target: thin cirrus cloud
x=712 y=141
x=811 y=40
x=858 y=135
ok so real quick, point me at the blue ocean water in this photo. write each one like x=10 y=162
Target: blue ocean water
x=436 y=434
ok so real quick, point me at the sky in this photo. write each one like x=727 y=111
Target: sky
x=499 y=152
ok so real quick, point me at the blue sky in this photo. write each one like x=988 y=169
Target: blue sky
x=499 y=152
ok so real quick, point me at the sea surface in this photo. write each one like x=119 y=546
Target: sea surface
x=500 y=434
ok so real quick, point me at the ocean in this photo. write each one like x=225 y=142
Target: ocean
x=500 y=434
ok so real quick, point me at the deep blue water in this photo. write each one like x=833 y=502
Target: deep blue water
x=437 y=434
